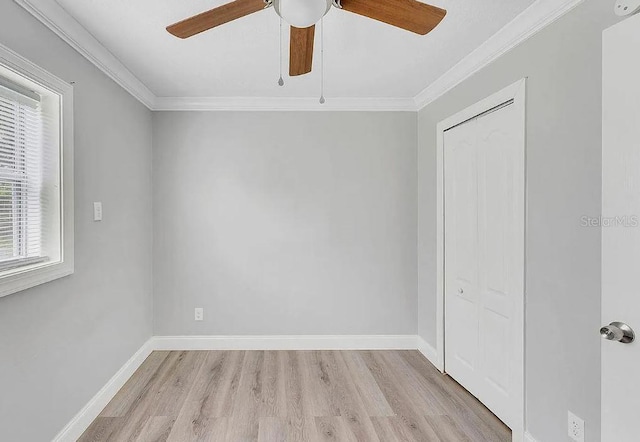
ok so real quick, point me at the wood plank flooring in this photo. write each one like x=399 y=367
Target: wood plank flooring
x=306 y=396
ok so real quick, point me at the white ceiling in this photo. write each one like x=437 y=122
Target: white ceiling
x=364 y=58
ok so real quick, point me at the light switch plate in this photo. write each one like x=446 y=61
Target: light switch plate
x=97 y=211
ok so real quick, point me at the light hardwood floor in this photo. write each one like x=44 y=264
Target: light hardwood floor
x=272 y=396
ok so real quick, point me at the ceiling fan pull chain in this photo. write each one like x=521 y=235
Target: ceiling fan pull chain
x=281 y=81
x=322 y=100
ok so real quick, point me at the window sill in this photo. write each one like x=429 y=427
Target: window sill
x=11 y=265
x=28 y=276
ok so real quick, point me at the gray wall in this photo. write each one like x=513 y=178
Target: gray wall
x=62 y=341
x=285 y=223
x=563 y=64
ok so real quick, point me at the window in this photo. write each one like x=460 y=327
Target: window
x=36 y=175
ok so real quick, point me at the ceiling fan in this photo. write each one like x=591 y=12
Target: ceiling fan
x=302 y=15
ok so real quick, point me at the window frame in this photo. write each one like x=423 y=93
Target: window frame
x=40 y=272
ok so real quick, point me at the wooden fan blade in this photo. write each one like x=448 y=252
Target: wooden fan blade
x=411 y=15
x=301 y=50
x=215 y=17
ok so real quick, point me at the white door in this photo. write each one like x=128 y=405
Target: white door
x=620 y=229
x=484 y=259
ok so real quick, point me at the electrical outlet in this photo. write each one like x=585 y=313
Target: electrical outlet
x=576 y=428
x=199 y=315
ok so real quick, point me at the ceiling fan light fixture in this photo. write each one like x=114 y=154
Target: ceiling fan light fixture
x=302 y=13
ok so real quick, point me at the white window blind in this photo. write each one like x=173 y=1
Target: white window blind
x=22 y=202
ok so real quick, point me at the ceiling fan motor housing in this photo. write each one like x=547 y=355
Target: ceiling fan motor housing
x=302 y=13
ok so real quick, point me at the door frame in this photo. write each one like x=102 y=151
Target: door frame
x=515 y=93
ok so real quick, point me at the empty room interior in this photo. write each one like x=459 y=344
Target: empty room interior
x=319 y=220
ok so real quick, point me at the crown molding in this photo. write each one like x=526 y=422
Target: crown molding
x=56 y=18
x=535 y=18
x=51 y=14
x=283 y=104
x=528 y=23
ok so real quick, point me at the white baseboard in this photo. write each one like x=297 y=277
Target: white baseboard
x=81 y=421
x=313 y=342
x=429 y=352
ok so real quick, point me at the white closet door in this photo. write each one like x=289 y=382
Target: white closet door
x=484 y=258
x=461 y=251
